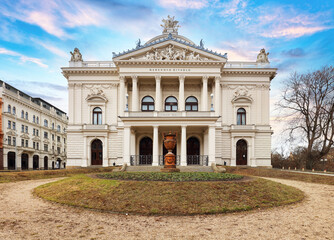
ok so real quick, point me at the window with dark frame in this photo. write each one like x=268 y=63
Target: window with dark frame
x=171 y=104
x=97 y=116
x=147 y=104
x=241 y=116
x=191 y=104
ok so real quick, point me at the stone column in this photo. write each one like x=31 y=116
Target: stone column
x=30 y=161
x=71 y=100
x=155 y=146
x=157 y=93
x=105 y=162
x=126 y=145
x=183 y=145
x=233 y=152
x=212 y=145
x=217 y=96
x=18 y=161
x=205 y=93
x=133 y=142
x=181 y=102
x=134 y=93
x=121 y=95
x=78 y=105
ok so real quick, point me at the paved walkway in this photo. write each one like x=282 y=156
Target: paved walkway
x=23 y=216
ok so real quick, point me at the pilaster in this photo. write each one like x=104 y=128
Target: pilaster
x=155 y=146
x=135 y=93
x=205 y=93
x=157 y=93
x=183 y=145
x=181 y=102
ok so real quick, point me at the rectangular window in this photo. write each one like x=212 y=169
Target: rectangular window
x=22 y=142
x=14 y=125
x=64 y=140
x=34 y=132
x=46 y=147
x=22 y=128
x=58 y=150
x=9 y=124
x=53 y=148
x=37 y=132
x=33 y=145
x=14 y=141
x=45 y=135
x=9 y=140
x=58 y=139
x=26 y=129
x=53 y=137
x=37 y=145
x=27 y=143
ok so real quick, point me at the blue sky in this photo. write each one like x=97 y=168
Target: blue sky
x=37 y=36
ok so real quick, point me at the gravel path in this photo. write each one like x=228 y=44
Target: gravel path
x=23 y=216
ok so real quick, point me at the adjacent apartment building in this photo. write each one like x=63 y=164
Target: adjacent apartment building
x=119 y=109
x=33 y=132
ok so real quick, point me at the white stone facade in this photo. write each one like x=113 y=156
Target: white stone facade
x=34 y=132
x=169 y=65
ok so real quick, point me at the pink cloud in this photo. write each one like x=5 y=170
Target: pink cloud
x=22 y=57
x=185 y=4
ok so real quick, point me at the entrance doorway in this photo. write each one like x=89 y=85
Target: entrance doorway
x=241 y=152
x=96 y=152
x=145 y=151
x=35 y=162
x=24 y=161
x=193 y=151
x=46 y=163
x=11 y=161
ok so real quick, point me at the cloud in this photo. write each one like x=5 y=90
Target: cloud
x=51 y=48
x=22 y=57
x=184 y=4
x=272 y=21
x=295 y=52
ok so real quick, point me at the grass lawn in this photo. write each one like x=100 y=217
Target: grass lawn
x=42 y=174
x=168 y=198
x=277 y=173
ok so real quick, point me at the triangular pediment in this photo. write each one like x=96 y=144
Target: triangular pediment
x=170 y=50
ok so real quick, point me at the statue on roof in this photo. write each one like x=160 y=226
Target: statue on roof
x=76 y=55
x=170 y=25
x=201 y=43
x=262 y=57
x=138 y=43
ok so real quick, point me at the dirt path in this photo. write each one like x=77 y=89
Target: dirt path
x=23 y=216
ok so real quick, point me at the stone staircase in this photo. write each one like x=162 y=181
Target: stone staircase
x=157 y=168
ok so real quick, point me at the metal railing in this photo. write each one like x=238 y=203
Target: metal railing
x=202 y=160
x=136 y=160
x=162 y=160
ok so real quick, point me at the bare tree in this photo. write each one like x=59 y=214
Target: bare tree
x=308 y=100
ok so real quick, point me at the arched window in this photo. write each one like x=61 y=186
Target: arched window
x=33 y=119
x=22 y=114
x=191 y=104
x=58 y=128
x=53 y=126
x=9 y=109
x=37 y=120
x=171 y=104
x=97 y=116
x=26 y=115
x=241 y=116
x=45 y=123
x=147 y=104
x=14 y=110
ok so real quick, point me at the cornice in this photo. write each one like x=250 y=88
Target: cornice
x=168 y=62
x=271 y=72
x=88 y=71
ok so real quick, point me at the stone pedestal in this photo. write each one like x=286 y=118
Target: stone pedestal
x=170 y=161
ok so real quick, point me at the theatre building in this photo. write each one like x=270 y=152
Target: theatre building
x=119 y=109
x=33 y=132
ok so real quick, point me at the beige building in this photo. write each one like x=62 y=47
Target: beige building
x=33 y=132
x=119 y=109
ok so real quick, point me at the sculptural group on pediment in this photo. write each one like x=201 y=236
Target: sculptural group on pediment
x=172 y=53
x=170 y=25
x=262 y=57
x=76 y=55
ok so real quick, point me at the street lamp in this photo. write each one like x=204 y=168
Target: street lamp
x=323 y=163
x=211 y=109
x=15 y=137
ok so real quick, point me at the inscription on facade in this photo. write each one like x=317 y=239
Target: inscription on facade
x=169 y=69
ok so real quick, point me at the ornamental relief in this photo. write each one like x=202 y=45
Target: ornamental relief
x=171 y=53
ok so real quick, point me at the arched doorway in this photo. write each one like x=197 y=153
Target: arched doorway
x=241 y=152
x=46 y=163
x=35 y=162
x=96 y=152
x=145 y=151
x=24 y=161
x=193 y=151
x=11 y=161
x=58 y=163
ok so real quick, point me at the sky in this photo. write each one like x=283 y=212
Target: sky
x=37 y=36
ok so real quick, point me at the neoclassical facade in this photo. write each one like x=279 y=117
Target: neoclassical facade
x=33 y=132
x=119 y=109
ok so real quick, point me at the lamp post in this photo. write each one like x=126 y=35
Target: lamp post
x=127 y=105
x=211 y=109
x=15 y=138
x=323 y=163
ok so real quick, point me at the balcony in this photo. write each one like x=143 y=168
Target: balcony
x=179 y=114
